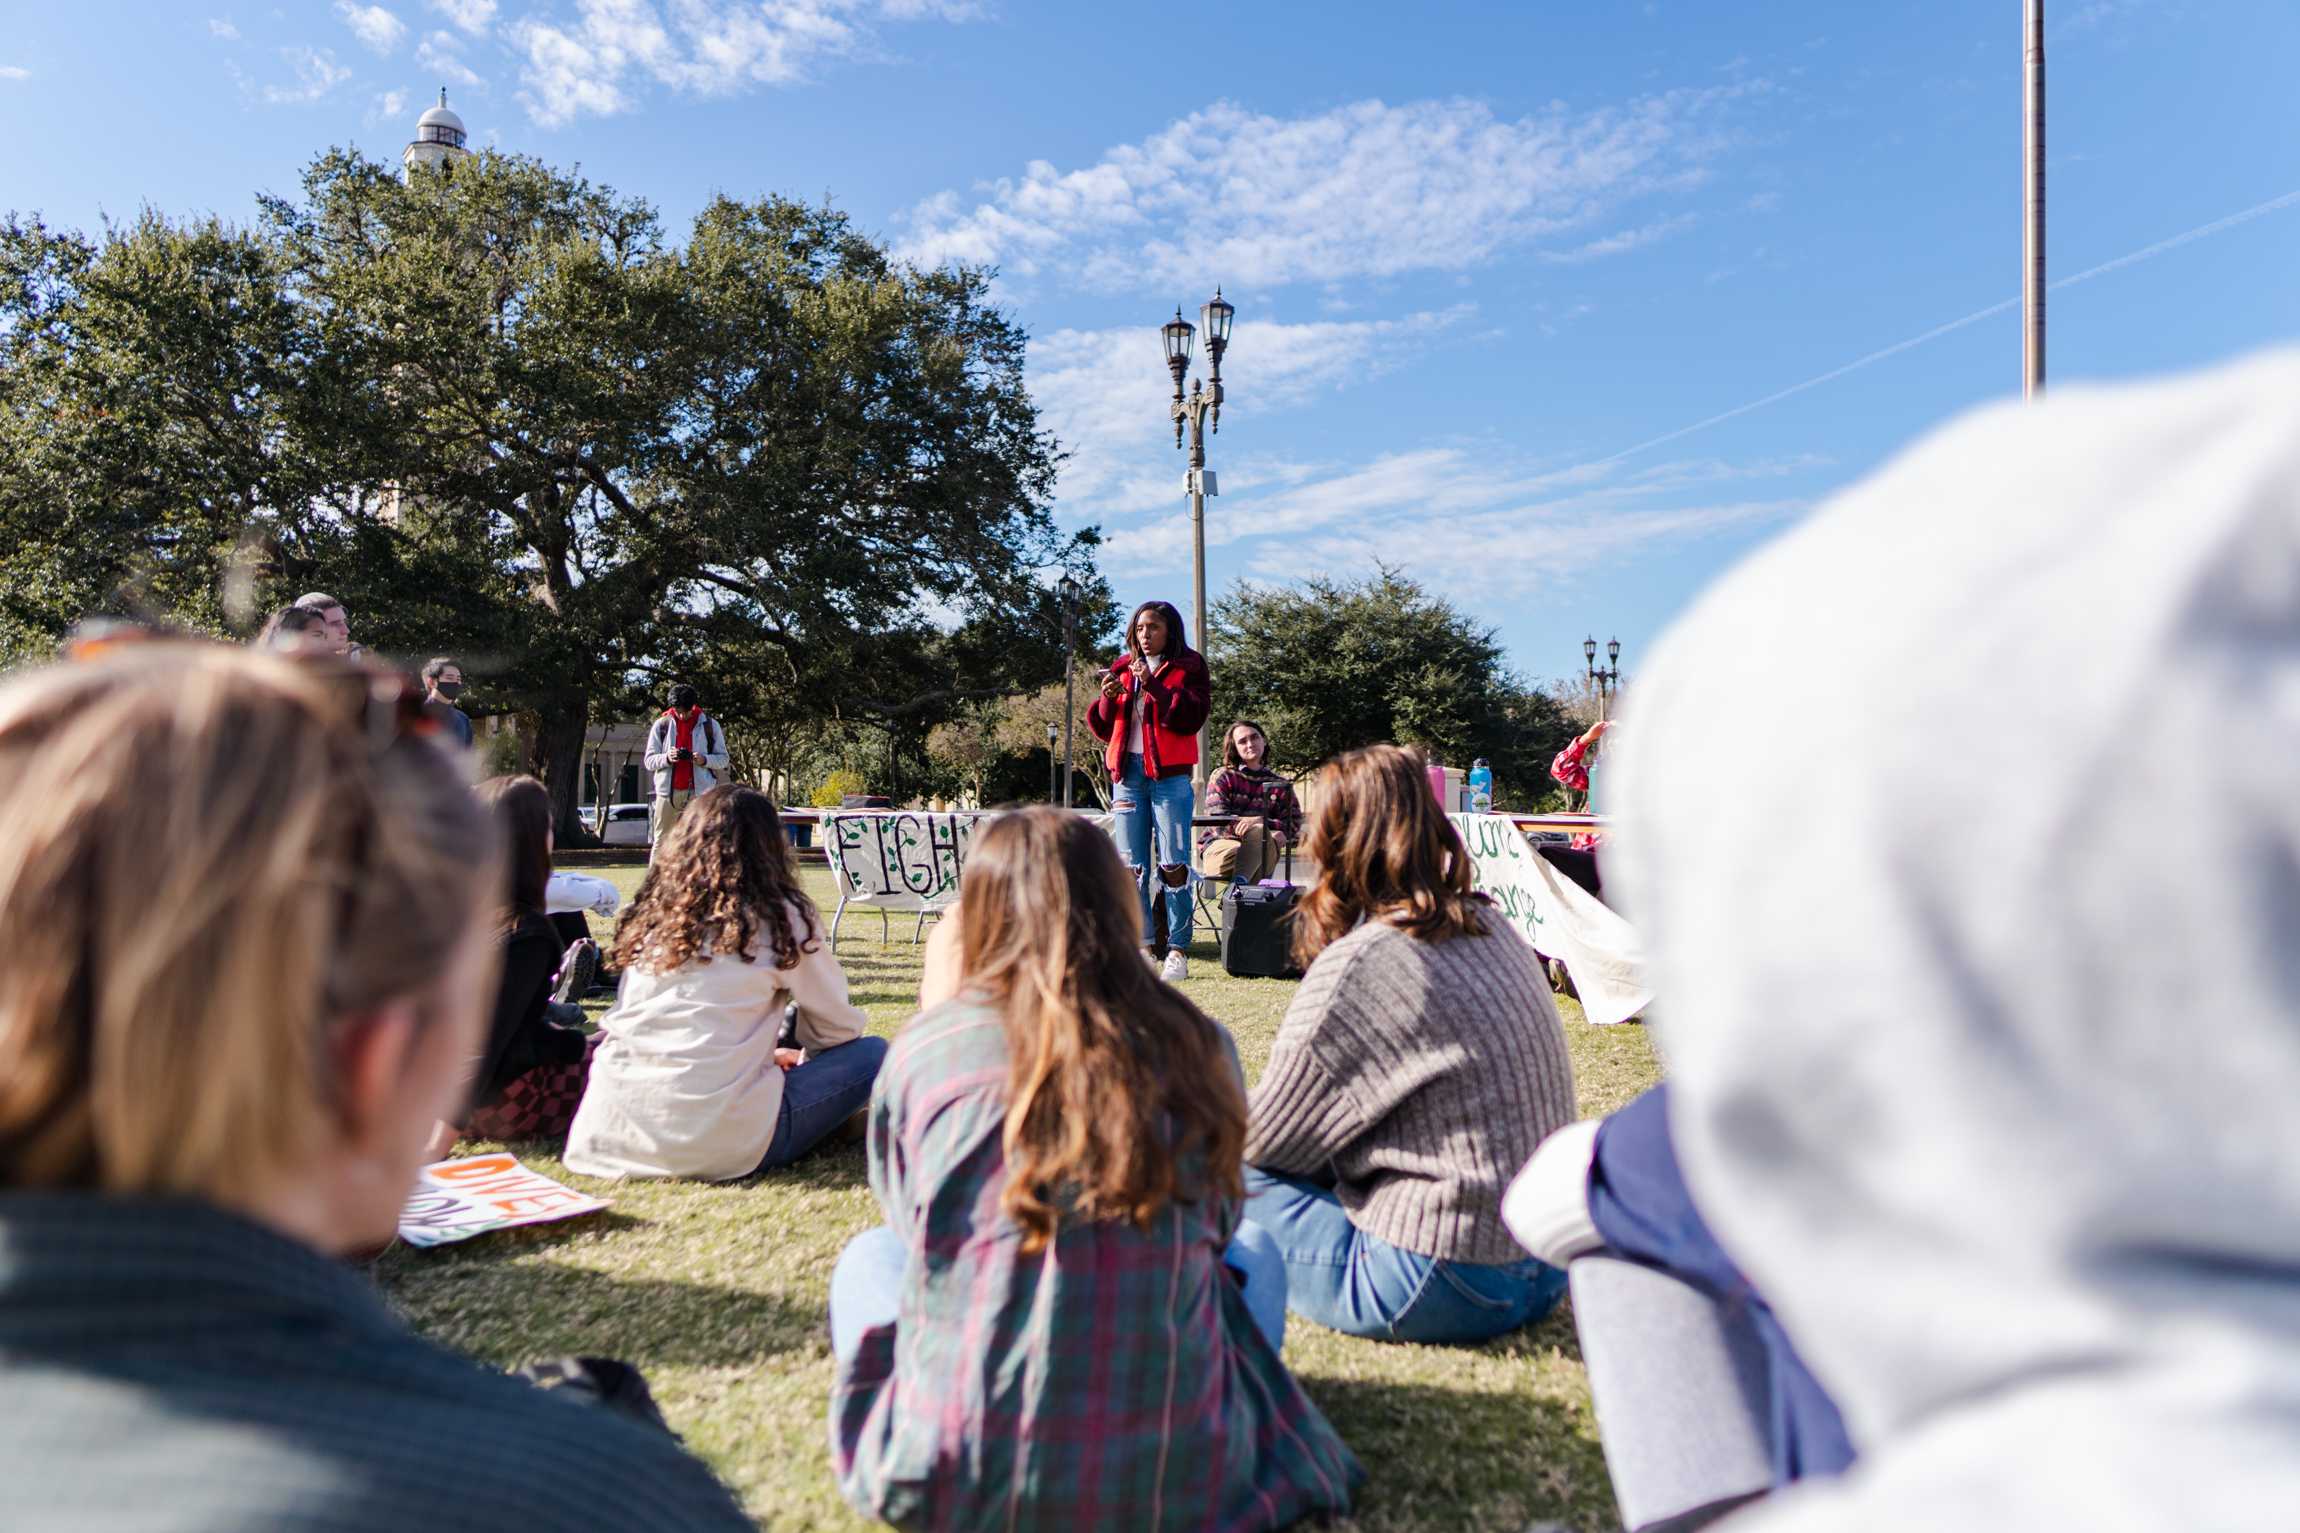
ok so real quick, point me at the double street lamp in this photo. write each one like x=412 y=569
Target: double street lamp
x=1606 y=679
x=1202 y=409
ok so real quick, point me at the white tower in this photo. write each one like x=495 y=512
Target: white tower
x=439 y=138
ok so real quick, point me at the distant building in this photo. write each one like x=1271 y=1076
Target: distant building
x=439 y=139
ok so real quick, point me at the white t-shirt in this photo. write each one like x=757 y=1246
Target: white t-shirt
x=1136 y=707
x=684 y=1082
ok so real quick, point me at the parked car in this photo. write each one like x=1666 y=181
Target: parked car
x=626 y=823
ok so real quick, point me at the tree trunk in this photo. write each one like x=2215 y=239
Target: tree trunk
x=559 y=742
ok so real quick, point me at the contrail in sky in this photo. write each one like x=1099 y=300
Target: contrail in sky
x=2134 y=258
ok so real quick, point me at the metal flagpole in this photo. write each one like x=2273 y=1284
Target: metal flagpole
x=2032 y=286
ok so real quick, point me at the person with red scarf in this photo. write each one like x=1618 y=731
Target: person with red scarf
x=1154 y=701
x=685 y=750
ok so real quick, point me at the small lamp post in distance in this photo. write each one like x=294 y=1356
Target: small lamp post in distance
x=1069 y=591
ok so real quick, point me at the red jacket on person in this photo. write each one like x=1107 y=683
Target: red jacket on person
x=1179 y=694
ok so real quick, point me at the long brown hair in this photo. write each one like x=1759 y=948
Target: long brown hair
x=1122 y=1097
x=275 y=823
x=522 y=807
x=1230 y=743
x=721 y=881
x=1385 y=851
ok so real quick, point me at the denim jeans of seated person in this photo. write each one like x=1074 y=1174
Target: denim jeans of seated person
x=1361 y=1285
x=820 y=1095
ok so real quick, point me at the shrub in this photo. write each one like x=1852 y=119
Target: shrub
x=835 y=787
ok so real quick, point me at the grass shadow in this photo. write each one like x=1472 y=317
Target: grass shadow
x=1440 y=1456
x=512 y=1313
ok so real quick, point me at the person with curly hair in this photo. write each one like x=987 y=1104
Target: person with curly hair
x=691 y=1078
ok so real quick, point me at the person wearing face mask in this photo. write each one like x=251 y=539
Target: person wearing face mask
x=685 y=751
x=442 y=685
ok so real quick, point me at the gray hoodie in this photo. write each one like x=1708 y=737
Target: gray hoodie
x=1996 y=1094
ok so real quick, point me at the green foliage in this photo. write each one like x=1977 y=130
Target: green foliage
x=835 y=788
x=500 y=412
x=1331 y=665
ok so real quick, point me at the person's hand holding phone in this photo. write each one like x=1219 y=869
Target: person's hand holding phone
x=789 y=1059
x=1112 y=687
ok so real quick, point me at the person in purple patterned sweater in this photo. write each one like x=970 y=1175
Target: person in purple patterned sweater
x=1269 y=817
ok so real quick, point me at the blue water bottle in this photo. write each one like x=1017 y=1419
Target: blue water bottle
x=1480 y=787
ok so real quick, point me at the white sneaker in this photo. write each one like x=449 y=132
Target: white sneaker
x=1176 y=967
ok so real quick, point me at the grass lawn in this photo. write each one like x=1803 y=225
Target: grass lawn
x=717 y=1292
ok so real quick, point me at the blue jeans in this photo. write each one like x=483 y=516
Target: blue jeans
x=866 y=1285
x=820 y=1095
x=1361 y=1285
x=1151 y=823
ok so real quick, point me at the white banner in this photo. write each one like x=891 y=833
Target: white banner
x=1559 y=917
x=457 y=1199
x=899 y=859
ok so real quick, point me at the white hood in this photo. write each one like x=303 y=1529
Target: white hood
x=1986 y=1041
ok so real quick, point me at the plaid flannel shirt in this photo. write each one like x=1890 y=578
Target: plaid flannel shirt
x=1112 y=1381
x=1251 y=791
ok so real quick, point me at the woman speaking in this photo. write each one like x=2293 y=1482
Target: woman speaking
x=1153 y=703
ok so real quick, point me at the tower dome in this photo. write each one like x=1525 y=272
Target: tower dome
x=439 y=137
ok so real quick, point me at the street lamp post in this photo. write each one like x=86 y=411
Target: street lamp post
x=1052 y=766
x=1069 y=590
x=1605 y=678
x=1202 y=408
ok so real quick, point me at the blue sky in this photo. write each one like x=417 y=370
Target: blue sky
x=1479 y=251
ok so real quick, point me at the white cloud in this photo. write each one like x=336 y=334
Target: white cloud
x=1364 y=190
x=388 y=106
x=14 y=72
x=1451 y=517
x=472 y=16
x=439 y=54
x=593 y=64
x=1104 y=393
x=1623 y=241
x=219 y=27
x=316 y=73
x=374 y=26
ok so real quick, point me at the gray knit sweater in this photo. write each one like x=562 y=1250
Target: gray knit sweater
x=1419 y=1076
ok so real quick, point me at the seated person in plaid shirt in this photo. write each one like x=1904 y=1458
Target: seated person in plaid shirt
x=1269 y=818
x=1064 y=1324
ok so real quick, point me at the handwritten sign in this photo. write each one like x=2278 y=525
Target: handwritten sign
x=1558 y=917
x=457 y=1199
x=904 y=860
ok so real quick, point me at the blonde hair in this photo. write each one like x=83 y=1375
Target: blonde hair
x=1122 y=1097
x=208 y=856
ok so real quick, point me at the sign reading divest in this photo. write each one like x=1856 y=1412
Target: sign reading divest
x=1558 y=917
x=457 y=1199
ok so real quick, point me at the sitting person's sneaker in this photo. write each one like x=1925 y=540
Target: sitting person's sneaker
x=1176 y=968
x=577 y=971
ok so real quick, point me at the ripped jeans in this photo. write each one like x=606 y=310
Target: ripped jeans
x=1151 y=823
